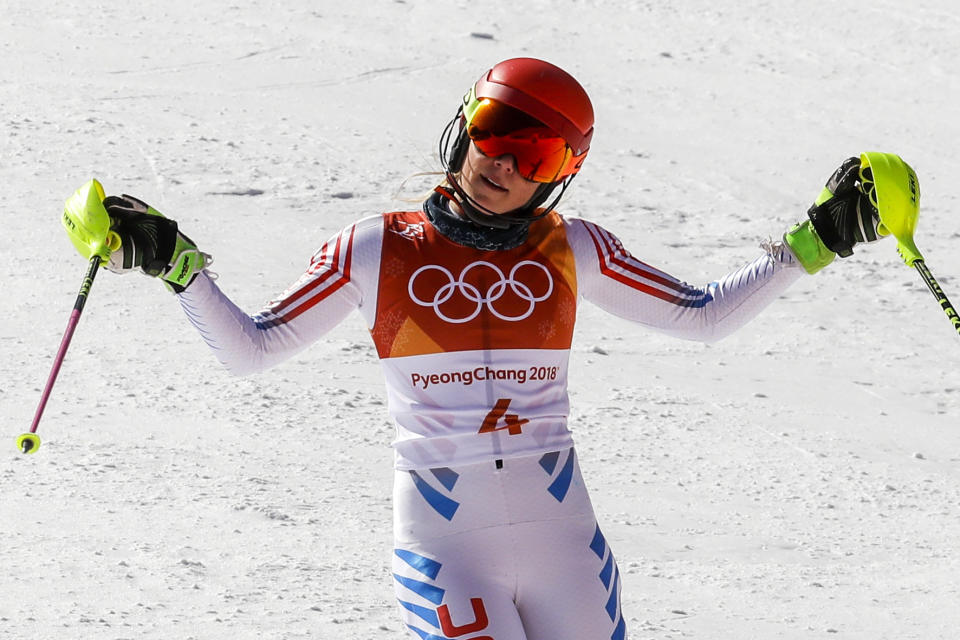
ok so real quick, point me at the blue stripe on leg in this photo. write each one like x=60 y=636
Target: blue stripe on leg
x=424 y=565
x=440 y=503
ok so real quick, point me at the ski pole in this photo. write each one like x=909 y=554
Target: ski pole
x=893 y=188
x=938 y=293
x=29 y=442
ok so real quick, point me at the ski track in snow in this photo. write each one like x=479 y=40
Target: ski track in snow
x=800 y=479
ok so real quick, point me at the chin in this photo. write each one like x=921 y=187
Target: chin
x=492 y=208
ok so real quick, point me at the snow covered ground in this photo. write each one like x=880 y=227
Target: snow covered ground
x=798 y=480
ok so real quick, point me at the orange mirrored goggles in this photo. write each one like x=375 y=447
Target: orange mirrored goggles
x=541 y=154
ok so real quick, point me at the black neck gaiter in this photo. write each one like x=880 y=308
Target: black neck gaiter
x=463 y=231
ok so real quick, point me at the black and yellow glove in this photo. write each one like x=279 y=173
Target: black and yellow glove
x=152 y=243
x=841 y=217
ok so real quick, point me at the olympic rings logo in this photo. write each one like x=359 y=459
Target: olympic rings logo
x=493 y=293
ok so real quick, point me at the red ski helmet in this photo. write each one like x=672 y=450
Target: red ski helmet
x=532 y=110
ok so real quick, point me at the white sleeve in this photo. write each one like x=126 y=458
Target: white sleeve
x=342 y=276
x=614 y=280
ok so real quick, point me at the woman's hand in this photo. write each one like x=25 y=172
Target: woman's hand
x=152 y=244
x=841 y=217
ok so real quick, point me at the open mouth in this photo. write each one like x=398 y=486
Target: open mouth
x=490 y=183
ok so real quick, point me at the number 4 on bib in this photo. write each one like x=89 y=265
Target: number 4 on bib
x=511 y=422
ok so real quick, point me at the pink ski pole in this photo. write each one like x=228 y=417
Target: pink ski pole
x=29 y=442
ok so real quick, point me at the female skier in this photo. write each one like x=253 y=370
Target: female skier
x=471 y=302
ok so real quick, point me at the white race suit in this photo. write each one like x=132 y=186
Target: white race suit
x=495 y=536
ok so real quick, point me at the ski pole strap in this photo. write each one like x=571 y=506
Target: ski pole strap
x=938 y=293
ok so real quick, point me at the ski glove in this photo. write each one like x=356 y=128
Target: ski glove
x=152 y=244
x=842 y=216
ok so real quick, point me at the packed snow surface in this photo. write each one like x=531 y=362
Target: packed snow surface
x=798 y=480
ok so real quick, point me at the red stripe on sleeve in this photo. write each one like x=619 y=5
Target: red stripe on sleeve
x=608 y=249
x=337 y=277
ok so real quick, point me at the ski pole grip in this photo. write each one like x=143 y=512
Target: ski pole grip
x=893 y=188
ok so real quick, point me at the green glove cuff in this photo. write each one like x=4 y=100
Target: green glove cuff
x=188 y=261
x=825 y=195
x=807 y=247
